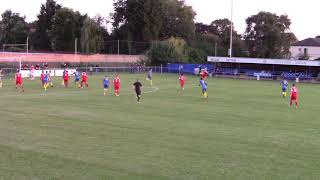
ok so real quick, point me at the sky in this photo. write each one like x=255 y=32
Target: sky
x=301 y=13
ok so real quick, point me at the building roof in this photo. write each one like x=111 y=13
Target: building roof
x=315 y=42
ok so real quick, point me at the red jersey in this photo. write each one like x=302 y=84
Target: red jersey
x=18 y=77
x=66 y=76
x=42 y=76
x=204 y=74
x=294 y=92
x=84 y=76
x=116 y=81
x=182 y=79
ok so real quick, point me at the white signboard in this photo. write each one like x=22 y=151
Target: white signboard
x=59 y=73
x=264 y=61
x=37 y=73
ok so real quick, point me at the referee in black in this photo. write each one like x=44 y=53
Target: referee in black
x=137 y=87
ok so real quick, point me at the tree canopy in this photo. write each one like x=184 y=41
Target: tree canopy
x=266 y=35
x=163 y=30
x=13 y=28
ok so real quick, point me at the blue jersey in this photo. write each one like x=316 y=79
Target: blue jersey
x=284 y=84
x=77 y=75
x=46 y=78
x=203 y=84
x=106 y=83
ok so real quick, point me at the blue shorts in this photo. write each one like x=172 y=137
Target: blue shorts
x=46 y=81
x=204 y=89
x=106 y=86
x=284 y=89
x=77 y=80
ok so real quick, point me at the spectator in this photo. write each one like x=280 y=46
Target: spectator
x=91 y=70
x=46 y=66
x=97 y=68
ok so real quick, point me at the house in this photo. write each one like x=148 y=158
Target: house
x=308 y=49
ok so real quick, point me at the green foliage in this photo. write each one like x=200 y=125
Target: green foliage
x=179 y=20
x=13 y=28
x=91 y=36
x=168 y=51
x=196 y=55
x=174 y=50
x=57 y=28
x=266 y=35
x=149 y=20
x=40 y=38
x=62 y=33
x=214 y=39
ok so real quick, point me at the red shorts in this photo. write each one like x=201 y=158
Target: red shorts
x=117 y=87
x=84 y=81
x=18 y=82
x=181 y=84
x=294 y=98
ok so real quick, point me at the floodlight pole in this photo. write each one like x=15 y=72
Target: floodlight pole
x=27 y=45
x=118 y=47
x=76 y=46
x=231 y=30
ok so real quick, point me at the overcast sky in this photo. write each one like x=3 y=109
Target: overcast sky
x=302 y=13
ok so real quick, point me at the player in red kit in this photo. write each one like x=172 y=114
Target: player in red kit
x=116 y=84
x=42 y=78
x=182 y=81
x=19 y=81
x=84 y=79
x=66 y=79
x=294 y=96
x=204 y=74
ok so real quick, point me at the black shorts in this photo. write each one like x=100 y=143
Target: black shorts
x=138 y=92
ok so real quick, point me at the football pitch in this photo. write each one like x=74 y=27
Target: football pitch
x=244 y=131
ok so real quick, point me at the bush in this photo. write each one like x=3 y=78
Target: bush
x=174 y=50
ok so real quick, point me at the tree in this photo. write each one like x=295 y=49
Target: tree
x=65 y=28
x=179 y=20
x=169 y=51
x=266 y=35
x=13 y=28
x=215 y=38
x=40 y=38
x=92 y=35
x=138 y=19
x=222 y=28
x=149 y=20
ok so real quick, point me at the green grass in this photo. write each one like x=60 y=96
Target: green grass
x=245 y=131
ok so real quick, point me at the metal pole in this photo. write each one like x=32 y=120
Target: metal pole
x=231 y=29
x=27 y=45
x=76 y=46
x=118 y=47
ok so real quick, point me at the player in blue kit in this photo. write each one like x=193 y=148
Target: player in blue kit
x=106 y=83
x=77 y=77
x=203 y=85
x=46 y=79
x=284 y=85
